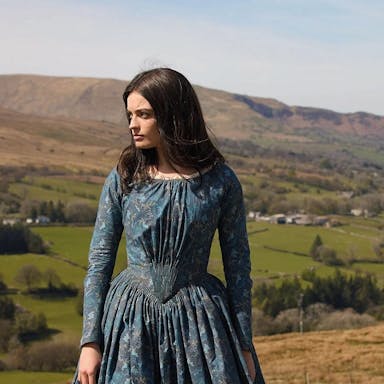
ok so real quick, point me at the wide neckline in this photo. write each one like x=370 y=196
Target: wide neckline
x=192 y=176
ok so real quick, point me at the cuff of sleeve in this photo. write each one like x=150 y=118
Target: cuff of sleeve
x=90 y=339
x=246 y=345
x=244 y=332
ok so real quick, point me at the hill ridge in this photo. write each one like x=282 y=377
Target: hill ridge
x=248 y=125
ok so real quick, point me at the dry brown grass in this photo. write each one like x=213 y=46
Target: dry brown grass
x=59 y=143
x=328 y=357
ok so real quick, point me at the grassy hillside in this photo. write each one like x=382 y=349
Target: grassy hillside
x=86 y=115
x=328 y=357
x=55 y=143
x=55 y=188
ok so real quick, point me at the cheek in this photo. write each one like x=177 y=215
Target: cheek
x=155 y=134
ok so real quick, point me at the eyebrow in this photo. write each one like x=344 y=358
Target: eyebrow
x=141 y=110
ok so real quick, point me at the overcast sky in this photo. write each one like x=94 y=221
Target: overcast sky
x=321 y=53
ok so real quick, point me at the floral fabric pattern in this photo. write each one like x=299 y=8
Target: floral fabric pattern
x=165 y=319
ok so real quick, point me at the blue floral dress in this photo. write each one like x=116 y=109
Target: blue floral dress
x=164 y=319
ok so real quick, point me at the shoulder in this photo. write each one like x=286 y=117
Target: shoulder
x=112 y=182
x=227 y=175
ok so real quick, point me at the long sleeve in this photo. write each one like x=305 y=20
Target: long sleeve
x=236 y=258
x=101 y=259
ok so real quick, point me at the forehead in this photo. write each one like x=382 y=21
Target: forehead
x=136 y=101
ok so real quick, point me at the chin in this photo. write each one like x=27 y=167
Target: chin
x=144 y=146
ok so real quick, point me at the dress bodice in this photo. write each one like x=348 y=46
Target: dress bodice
x=169 y=227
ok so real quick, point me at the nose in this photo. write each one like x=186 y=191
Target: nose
x=133 y=123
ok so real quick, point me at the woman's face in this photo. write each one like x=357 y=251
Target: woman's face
x=142 y=122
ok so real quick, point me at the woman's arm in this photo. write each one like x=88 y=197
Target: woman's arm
x=236 y=258
x=101 y=261
x=237 y=267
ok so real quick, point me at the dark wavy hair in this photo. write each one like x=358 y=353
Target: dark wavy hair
x=180 y=122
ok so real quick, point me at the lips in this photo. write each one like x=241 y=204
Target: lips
x=138 y=137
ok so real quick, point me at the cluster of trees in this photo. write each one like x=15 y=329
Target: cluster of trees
x=32 y=278
x=323 y=254
x=20 y=239
x=333 y=302
x=359 y=292
x=18 y=325
x=49 y=356
x=10 y=203
x=268 y=198
x=58 y=212
x=315 y=317
x=53 y=210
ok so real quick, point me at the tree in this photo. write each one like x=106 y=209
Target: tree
x=52 y=278
x=51 y=211
x=34 y=213
x=342 y=291
x=28 y=275
x=28 y=324
x=378 y=248
x=3 y=286
x=7 y=308
x=78 y=212
x=328 y=256
x=6 y=333
x=35 y=243
x=272 y=299
x=12 y=239
x=19 y=239
x=60 y=216
x=314 y=250
x=43 y=208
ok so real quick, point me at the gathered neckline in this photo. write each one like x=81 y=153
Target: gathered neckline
x=190 y=177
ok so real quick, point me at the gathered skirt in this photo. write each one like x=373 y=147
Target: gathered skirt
x=189 y=338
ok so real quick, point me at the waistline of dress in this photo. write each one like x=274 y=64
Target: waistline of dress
x=163 y=280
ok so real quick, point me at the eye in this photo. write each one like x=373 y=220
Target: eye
x=145 y=114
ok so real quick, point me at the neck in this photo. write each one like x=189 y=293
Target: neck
x=165 y=167
x=163 y=163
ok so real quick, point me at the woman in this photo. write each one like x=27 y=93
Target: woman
x=164 y=319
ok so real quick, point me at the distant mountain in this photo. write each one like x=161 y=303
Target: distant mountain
x=100 y=99
x=244 y=124
x=74 y=98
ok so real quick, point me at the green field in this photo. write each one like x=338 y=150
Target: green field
x=276 y=250
x=344 y=239
x=10 y=264
x=44 y=188
x=61 y=314
x=294 y=191
x=72 y=243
